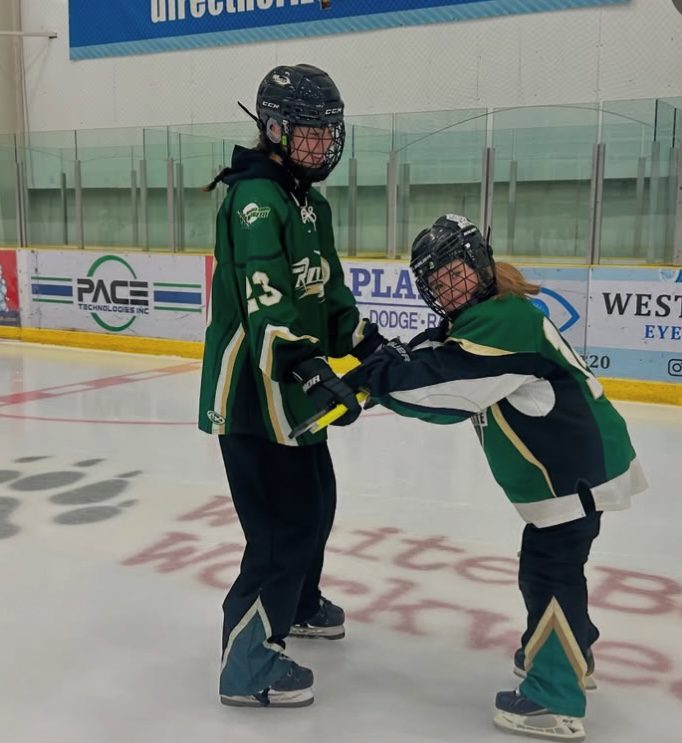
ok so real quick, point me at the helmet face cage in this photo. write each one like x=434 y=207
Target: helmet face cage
x=300 y=114
x=453 y=266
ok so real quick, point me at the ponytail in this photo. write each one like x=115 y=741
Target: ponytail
x=211 y=186
x=511 y=281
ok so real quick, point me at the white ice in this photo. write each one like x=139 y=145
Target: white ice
x=117 y=544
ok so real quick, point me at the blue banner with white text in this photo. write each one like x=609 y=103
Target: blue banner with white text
x=128 y=27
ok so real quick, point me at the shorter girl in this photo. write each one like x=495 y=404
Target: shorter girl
x=555 y=445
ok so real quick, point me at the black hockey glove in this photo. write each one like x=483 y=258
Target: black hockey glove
x=438 y=334
x=395 y=351
x=325 y=389
x=372 y=341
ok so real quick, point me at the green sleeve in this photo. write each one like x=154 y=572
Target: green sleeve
x=264 y=281
x=345 y=327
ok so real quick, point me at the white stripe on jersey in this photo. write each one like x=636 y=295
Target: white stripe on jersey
x=471 y=395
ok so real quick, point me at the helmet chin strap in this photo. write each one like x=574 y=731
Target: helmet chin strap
x=246 y=111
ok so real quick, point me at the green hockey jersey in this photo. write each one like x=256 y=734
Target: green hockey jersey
x=278 y=297
x=542 y=417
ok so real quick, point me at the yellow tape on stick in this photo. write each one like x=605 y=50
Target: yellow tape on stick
x=322 y=420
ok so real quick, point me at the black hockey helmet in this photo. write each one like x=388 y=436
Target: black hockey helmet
x=453 y=239
x=302 y=96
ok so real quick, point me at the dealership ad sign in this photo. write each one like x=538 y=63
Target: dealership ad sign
x=9 y=289
x=386 y=294
x=125 y=27
x=159 y=296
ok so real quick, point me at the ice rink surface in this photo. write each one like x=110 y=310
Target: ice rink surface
x=118 y=540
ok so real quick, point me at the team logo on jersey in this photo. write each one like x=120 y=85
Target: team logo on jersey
x=215 y=418
x=310 y=280
x=251 y=213
x=308 y=215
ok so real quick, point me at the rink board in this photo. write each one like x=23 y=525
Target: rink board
x=625 y=322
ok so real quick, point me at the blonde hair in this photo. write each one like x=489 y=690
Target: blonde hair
x=511 y=281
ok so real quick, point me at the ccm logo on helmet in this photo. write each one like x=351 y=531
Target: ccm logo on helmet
x=333 y=111
x=268 y=104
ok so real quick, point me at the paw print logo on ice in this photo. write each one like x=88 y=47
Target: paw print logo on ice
x=81 y=498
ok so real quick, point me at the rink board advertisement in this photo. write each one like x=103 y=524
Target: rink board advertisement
x=128 y=27
x=625 y=322
x=9 y=289
x=635 y=323
x=140 y=294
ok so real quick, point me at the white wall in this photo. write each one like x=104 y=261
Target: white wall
x=567 y=56
x=11 y=109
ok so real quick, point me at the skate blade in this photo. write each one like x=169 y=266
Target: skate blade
x=590 y=683
x=546 y=727
x=282 y=699
x=314 y=633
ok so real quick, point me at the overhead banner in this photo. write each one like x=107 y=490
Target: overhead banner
x=141 y=294
x=128 y=27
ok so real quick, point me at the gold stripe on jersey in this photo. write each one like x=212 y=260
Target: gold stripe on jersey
x=519 y=445
x=226 y=374
x=478 y=350
x=209 y=314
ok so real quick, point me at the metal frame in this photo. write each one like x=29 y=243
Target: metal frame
x=64 y=207
x=180 y=205
x=654 y=190
x=352 y=207
x=45 y=34
x=487 y=189
x=392 y=204
x=404 y=242
x=133 y=207
x=78 y=185
x=21 y=214
x=170 y=203
x=639 y=203
x=677 y=235
x=144 y=204
x=596 y=202
x=511 y=206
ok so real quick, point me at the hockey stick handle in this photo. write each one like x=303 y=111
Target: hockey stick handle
x=322 y=420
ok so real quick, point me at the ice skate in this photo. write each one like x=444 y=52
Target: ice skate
x=293 y=689
x=517 y=714
x=326 y=623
